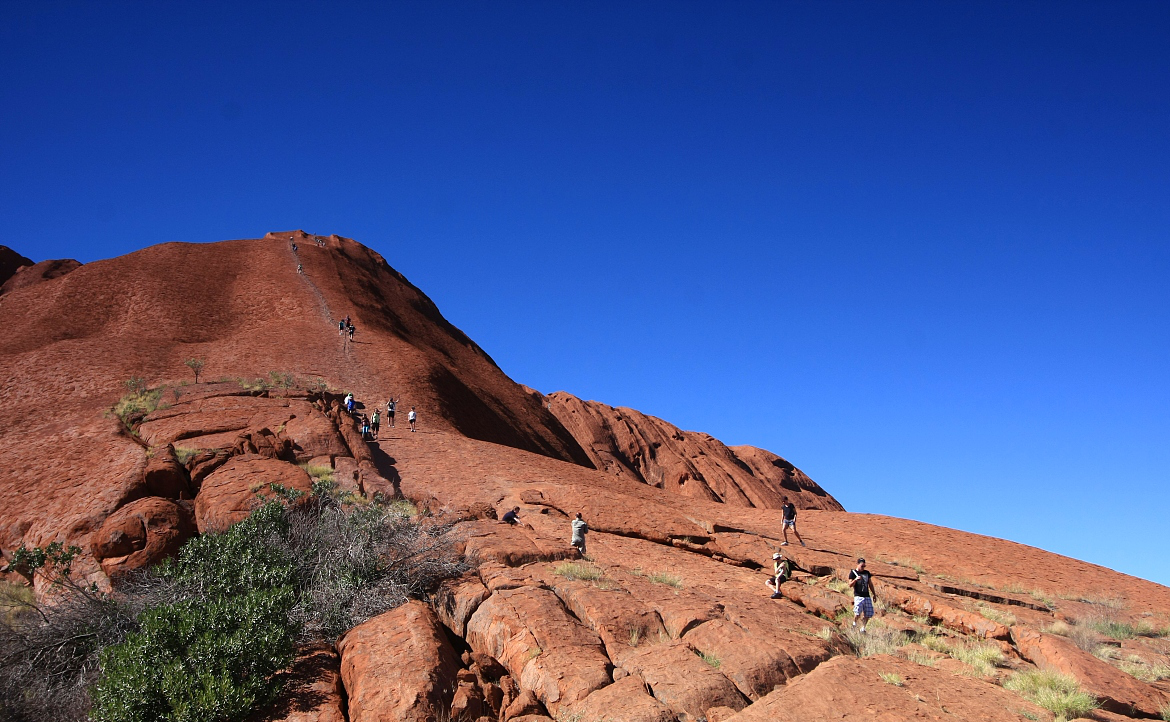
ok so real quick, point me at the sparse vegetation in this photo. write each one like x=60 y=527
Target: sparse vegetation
x=1114 y=628
x=825 y=633
x=136 y=404
x=318 y=473
x=1057 y=693
x=1137 y=667
x=196 y=366
x=892 y=678
x=711 y=660
x=936 y=643
x=577 y=571
x=183 y=455
x=1060 y=627
x=1165 y=713
x=666 y=578
x=839 y=585
x=982 y=658
x=906 y=562
x=919 y=658
x=635 y=636
x=996 y=615
x=878 y=639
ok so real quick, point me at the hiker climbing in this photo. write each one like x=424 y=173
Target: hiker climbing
x=365 y=427
x=391 y=405
x=580 y=528
x=411 y=418
x=300 y=268
x=789 y=522
x=512 y=516
x=375 y=422
x=781 y=572
x=341 y=328
x=349 y=403
x=863 y=594
x=351 y=330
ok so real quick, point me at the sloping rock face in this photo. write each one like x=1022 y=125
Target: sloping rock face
x=27 y=276
x=630 y=444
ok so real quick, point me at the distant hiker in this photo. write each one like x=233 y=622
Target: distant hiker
x=365 y=426
x=789 y=522
x=412 y=417
x=375 y=423
x=341 y=328
x=511 y=516
x=349 y=403
x=351 y=330
x=863 y=593
x=300 y=268
x=390 y=406
x=294 y=248
x=580 y=528
x=781 y=572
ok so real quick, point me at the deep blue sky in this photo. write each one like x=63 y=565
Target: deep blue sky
x=919 y=249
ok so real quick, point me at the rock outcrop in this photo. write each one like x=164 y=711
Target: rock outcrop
x=30 y=275
x=667 y=618
x=630 y=444
x=10 y=263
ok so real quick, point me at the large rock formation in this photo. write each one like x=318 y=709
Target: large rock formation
x=10 y=263
x=667 y=619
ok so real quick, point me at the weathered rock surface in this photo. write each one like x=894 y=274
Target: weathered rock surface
x=142 y=533
x=529 y=631
x=847 y=688
x=233 y=490
x=626 y=700
x=314 y=692
x=1117 y=691
x=630 y=444
x=398 y=666
x=30 y=275
x=682 y=681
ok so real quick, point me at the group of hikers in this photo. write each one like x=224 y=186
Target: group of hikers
x=345 y=326
x=370 y=425
x=860 y=580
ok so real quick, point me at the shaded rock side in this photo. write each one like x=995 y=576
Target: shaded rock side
x=398 y=666
x=141 y=534
x=313 y=692
x=628 y=443
x=10 y=262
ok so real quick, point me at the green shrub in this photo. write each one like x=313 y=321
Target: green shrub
x=213 y=656
x=136 y=404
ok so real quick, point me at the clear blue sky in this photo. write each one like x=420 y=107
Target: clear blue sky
x=919 y=249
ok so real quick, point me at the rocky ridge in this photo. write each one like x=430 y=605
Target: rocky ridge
x=668 y=619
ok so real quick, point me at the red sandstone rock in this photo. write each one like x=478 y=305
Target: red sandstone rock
x=534 y=637
x=457 y=599
x=626 y=700
x=681 y=681
x=948 y=616
x=27 y=276
x=165 y=476
x=398 y=666
x=10 y=263
x=755 y=669
x=850 y=689
x=627 y=443
x=313 y=692
x=142 y=533
x=313 y=434
x=824 y=602
x=231 y=492
x=1117 y=691
x=623 y=623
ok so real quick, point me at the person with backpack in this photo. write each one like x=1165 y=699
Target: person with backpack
x=789 y=522
x=391 y=405
x=412 y=417
x=374 y=423
x=863 y=594
x=580 y=528
x=781 y=572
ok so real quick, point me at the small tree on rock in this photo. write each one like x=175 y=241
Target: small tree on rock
x=196 y=365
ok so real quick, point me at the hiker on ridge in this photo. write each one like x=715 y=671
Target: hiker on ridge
x=580 y=528
x=863 y=594
x=781 y=572
x=349 y=403
x=391 y=405
x=789 y=521
x=374 y=424
x=412 y=417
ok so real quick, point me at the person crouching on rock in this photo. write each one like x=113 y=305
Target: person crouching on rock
x=781 y=572
x=580 y=528
x=512 y=516
x=863 y=594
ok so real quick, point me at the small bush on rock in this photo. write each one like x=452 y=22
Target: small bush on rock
x=1057 y=693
